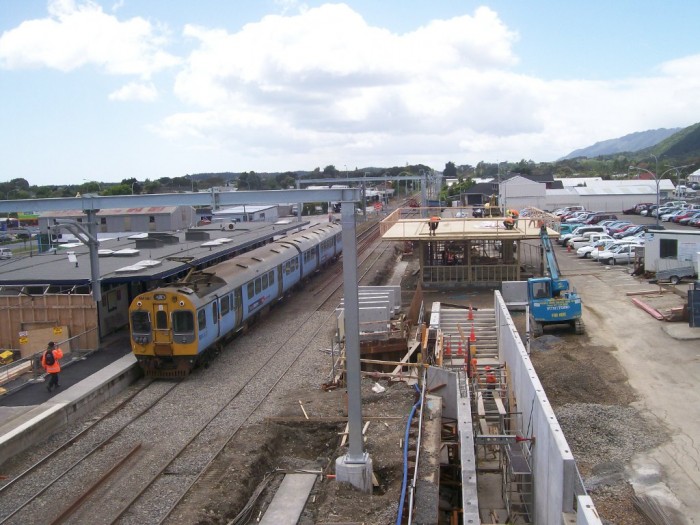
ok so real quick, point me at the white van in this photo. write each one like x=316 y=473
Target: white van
x=5 y=253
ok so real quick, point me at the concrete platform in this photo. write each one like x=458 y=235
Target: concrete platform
x=31 y=414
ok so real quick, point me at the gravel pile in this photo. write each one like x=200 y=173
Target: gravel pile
x=604 y=438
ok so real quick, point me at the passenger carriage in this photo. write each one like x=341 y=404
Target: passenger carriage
x=173 y=327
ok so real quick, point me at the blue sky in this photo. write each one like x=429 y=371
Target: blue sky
x=96 y=90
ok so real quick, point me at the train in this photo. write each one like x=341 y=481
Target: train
x=175 y=328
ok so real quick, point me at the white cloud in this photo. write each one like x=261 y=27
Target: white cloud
x=134 y=91
x=78 y=34
x=326 y=84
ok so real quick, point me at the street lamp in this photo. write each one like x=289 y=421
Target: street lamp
x=657 y=179
x=132 y=187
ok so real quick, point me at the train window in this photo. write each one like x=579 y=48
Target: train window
x=183 y=322
x=215 y=312
x=201 y=319
x=251 y=289
x=265 y=282
x=272 y=277
x=225 y=305
x=161 y=320
x=236 y=301
x=141 y=322
x=258 y=286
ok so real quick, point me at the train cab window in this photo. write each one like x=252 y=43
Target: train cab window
x=265 y=282
x=251 y=289
x=141 y=322
x=215 y=312
x=183 y=322
x=201 y=319
x=161 y=320
x=258 y=286
x=225 y=305
x=271 y=276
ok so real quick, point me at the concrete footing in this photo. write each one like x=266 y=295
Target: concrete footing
x=359 y=475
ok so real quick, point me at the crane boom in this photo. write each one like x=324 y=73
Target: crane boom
x=550 y=256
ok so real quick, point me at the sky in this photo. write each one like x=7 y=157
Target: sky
x=94 y=90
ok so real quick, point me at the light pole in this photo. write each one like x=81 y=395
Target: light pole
x=132 y=186
x=657 y=179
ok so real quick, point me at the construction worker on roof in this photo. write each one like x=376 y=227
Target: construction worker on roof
x=433 y=223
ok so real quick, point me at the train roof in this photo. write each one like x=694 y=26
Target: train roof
x=305 y=239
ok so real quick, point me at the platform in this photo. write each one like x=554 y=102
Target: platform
x=29 y=413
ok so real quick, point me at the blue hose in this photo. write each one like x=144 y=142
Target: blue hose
x=405 y=457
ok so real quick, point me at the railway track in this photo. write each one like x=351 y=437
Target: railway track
x=146 y=466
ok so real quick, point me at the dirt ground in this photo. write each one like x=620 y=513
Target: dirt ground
x=625 y=394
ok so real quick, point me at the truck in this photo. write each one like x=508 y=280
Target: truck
x=550 y=299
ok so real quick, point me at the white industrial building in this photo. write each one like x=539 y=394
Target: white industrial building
x=592 y=193
x=246 y=213
x=136 y=219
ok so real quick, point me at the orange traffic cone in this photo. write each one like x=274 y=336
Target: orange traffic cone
x=448 y=350
x=471 y=314
x=472 y=335
x=459 y=349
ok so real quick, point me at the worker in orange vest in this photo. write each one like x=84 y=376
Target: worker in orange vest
x=434 y=220
x=49 y=360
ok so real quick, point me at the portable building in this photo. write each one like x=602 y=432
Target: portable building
x=671 y=249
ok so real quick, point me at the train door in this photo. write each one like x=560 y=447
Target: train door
x=161 y=324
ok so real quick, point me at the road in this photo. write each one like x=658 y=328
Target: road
x=662 y=364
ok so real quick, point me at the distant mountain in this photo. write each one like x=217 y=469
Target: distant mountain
x=629 y=143
x=684 y=145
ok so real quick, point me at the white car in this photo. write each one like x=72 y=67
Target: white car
x=598 y=246
x=620 y=254
x=586 y=239
x=595 y=254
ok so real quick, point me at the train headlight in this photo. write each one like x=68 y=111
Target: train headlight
x=138 y=303
x=182 y=303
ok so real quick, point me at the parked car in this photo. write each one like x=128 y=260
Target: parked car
x=595 y=255
x=618 y=227
x=680 y=218
x=647 y=212
x=632 y=229
x=598 y=246
x=580 y=231
x=5 y=253
x=587 y=238
x=597 y=217
x=620 y=254
x=668 y=217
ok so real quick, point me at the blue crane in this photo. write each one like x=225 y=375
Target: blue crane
x=551 y=301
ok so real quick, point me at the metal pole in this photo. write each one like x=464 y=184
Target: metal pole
x=356 y=453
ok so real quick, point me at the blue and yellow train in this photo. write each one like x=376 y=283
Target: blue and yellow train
x=174 y=328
